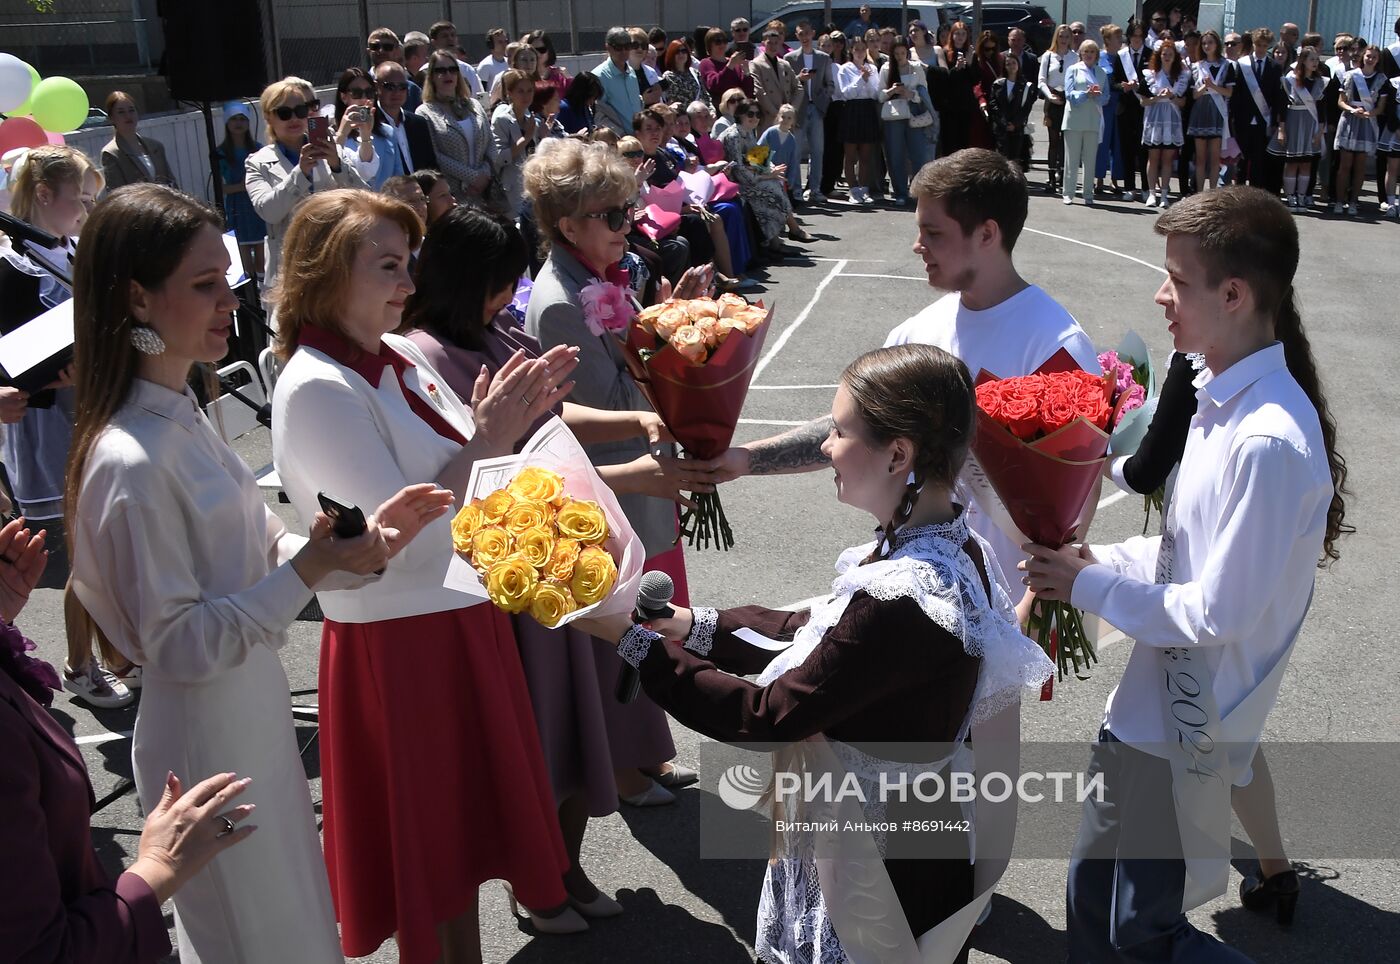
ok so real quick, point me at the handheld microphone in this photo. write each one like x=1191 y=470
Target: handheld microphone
x=21 y=230
x=653 y=602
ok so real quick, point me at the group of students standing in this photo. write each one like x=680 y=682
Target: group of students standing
x=1208 y=111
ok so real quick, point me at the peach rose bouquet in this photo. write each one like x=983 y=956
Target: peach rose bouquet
x=694 y=360
x=541 y=534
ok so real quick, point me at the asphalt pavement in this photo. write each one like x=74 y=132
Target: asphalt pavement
x=858 y=281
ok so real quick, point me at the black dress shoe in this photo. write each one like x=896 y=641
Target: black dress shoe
x=1279 y=891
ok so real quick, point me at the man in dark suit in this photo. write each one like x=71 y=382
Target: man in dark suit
x=813 y=70
x=412 y=134
x=1255 y=106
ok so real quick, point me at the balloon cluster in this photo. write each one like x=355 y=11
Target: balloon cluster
x=37 y=111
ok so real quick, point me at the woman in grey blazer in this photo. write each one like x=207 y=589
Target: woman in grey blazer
x=582 y=196
x=291 y=168
x=515 y=131
x=460 y=130
x=128 y=157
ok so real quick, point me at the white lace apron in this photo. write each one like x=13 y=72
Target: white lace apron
x=830 y=899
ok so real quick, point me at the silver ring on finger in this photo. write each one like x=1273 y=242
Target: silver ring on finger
x=527 y=400
x=226 y=823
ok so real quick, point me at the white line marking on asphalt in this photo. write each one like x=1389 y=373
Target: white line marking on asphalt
x=890 y=277
x=788 y=388
x=852 y=260
x=766 y=421
x=1117 y=254
x=777 y=346
x=1108 y=500
x=106 y=737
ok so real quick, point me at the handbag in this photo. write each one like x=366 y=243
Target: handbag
x=921 y=114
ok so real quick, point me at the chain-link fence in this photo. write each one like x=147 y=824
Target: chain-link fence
x=82 y=37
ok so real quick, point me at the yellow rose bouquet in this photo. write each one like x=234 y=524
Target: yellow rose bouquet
x=542 y=534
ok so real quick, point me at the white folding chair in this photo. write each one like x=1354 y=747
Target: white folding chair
x=232 y=418
x=269 y=367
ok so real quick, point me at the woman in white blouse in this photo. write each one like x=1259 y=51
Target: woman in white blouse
x=1053 y=63
x=179 y=560
x=284 y=173
x=433 y=780
x=860 y=87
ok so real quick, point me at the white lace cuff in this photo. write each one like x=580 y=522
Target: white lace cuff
x=702 y=630
x=635 y=644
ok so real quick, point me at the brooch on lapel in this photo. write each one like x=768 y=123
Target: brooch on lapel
x=433 y=394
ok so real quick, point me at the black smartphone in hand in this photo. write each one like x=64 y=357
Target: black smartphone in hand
x=347 y=521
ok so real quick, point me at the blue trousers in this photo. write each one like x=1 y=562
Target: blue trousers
x=905 y=152
x=1128 y=909
x=736 y=229
x=1109 y=151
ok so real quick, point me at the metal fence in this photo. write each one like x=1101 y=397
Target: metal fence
x=82 y=37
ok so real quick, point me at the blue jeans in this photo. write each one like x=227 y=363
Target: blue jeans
x=1128 y=908
x=905 y=152
x=812 y=134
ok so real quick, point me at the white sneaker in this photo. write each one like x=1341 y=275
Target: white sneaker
x=854 y=194
x=130 y=676
x=1337 y=208
x=1066 y=199
x=98 y=687
x=1385 y=208
x=1148 y=199
x=865 y=196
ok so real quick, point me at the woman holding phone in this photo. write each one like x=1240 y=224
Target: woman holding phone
x=293 y=164
x=178 y=559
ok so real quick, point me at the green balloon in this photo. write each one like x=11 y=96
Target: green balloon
x=58 y=104
x=23 y=110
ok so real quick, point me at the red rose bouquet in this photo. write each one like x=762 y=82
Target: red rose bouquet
x=1039 y=449
x=694 y=359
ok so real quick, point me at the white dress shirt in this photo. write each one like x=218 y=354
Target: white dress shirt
x=1250 y=511
x=1011 y=339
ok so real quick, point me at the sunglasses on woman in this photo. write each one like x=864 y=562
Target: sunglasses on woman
x=300 y=111
x=360 y=93
x=439 y=71
x=614 y=218
x=748 y=113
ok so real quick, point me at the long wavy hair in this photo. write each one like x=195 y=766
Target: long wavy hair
x=1246 y=233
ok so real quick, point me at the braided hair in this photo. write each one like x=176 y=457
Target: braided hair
x=923 y=394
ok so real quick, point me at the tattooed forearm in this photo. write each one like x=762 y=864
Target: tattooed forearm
x=799 y=450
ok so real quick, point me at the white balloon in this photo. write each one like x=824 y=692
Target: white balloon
x=15 y=82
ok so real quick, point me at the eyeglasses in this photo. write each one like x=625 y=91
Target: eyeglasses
x=1232 y=43
x=439 y=71
x=384 y=45
x=748 y=113
x=614 y=218
x=300 y=111
x=360 y=92
x=392 y=86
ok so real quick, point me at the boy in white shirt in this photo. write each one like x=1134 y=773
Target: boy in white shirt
x=1215 y=603
x=972 y=206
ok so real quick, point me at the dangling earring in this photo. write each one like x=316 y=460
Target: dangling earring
x=146 y=339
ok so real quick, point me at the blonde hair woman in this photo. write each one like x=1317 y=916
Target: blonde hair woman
x=413 y=825
x=291 y=167
x=54 y=188
x=460 y=129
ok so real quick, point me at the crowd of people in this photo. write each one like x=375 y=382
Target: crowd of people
x=485 y=755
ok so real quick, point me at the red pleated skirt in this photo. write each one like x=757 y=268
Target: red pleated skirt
x=432 y=777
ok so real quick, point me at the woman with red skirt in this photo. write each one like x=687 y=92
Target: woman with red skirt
x=432 y=776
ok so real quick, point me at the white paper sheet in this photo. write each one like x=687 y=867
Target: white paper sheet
x=38 y=340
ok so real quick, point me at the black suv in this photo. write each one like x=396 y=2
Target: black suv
x=1001 y=16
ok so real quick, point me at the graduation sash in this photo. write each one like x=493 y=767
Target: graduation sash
x=1219 y=101
x=1366 y=95
x=1252 y=83
x=1305 y=96
x=1125 y=57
